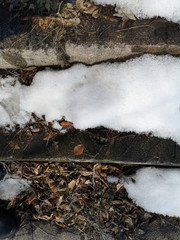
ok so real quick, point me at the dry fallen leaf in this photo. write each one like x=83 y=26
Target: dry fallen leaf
x=52 y=185
x=66 y=124
x=72 y=184
x=44 y=22
x=13 y=145
x=13 y=84
x=71 y=22
x=78 y=150
x=88 y=182
x=89 y=8
x=78 y=3
x=35 y=130
x=119 y=186
x=49 y=135
x=32 y=68
x=85 y=174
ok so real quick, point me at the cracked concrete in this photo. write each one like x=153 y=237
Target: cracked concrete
x=43 y=231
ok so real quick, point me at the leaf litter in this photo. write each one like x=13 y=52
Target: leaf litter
x=78 y=195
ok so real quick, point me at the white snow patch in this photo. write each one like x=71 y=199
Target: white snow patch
x=148 y=8
x=140 y=95
x=112 y=179
x=156 y=190
x=56 y=125
x=12 y=185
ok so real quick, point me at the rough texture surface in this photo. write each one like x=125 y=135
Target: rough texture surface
x=43 y=231
x=93 y=40
x=100 y=145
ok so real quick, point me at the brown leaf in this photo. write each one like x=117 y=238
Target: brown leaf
x=78 y=3
x=53 y=185
x=31 y=198
x=13 y=145
x=44 y=22
x=119 y=186
x=48 y=203
x=66 y=124
x=85 y=174
x=88 y=182
x=78 y=150
x=16 y=147
x=96 y=14
x=14 y=83
x=72 y=184
x=30 y=68
x=35 y=130
x=29 y=132
x=59 y=219
x=81 y=218
x=71 y=22
x=49 y=135
x=45 y=217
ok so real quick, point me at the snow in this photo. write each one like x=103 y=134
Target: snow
x=140 y=95
x=112 y=179
x=12 y=185
x=156 y=190
x=148 y=9
x=57 y=126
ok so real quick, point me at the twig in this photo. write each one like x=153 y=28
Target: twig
x=131 y=28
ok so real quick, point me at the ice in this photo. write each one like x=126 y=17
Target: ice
x=140 y=95
x=148 y=9
x=156 y=190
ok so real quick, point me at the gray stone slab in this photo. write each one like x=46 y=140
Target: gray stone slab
x=161 y=229
x=43 y=231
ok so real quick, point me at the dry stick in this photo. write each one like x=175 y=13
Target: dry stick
x=135 y=27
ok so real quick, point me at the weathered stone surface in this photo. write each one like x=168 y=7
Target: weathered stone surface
x=112 y=51
x=99 y=146
x=90 y=42
x=43 y=231
x=22 y=58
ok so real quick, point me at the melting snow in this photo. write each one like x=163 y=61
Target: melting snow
x=140 y=95
x=156 y=190
x=12 y=185
x=148 y=8
x=112 y=179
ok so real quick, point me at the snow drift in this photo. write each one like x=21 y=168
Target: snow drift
x=140 y=95
x=148 y=9
x=156 y=190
